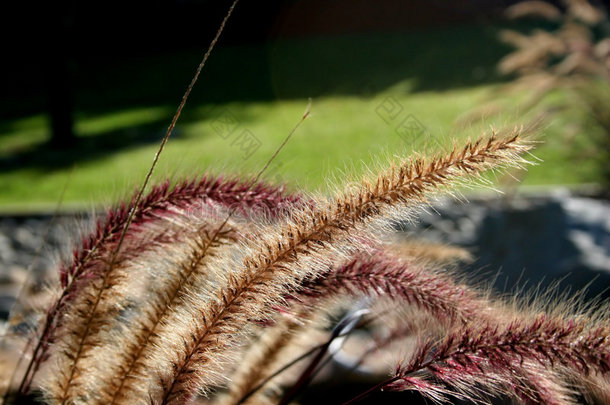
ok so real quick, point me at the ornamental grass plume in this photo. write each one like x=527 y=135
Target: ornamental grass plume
x=306 y=244
x=512 y=359
x=212 y=286
x=203 y=275
x=89 y=262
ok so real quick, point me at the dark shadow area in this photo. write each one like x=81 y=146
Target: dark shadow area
x=339 y=393
x=356 y=64
x=87 y=148
x=46 y=156
x=297 y=68
x=139 y=52
x=30 y=399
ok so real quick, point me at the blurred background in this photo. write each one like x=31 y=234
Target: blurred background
x=89 y=88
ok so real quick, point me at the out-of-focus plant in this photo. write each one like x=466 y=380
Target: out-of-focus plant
x=597 y=98
x=575 y=56
x=570 y=52
x=576 y=50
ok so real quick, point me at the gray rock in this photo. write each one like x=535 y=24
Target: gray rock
x=7 y=254
x=540 y=240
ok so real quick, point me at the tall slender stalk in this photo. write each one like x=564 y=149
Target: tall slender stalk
x=485 y=359
x=67 y=383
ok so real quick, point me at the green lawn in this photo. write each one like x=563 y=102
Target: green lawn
x=434 y=79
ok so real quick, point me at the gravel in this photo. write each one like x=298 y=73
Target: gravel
x=530 y=240
x=22 y=249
